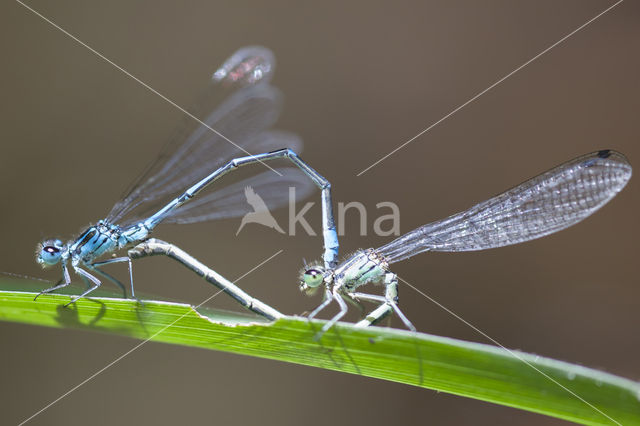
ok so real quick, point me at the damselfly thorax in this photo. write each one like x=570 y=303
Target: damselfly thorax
x=365 y=266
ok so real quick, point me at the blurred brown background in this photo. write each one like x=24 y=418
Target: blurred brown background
x=359 y=78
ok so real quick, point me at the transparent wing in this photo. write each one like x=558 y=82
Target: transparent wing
x=232 y=201
x=540 y=206
x=244 y=115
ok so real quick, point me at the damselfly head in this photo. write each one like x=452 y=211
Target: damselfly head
x=311 y=278
x=49 y=252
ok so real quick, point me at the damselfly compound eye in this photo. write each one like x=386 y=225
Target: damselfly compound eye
x=312 y=277
x=50 y=252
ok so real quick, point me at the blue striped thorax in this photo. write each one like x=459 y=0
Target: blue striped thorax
x=95 y=241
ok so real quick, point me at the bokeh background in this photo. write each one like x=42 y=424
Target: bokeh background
x=359 y=78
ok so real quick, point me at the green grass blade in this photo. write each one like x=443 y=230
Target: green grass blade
x=473 y=370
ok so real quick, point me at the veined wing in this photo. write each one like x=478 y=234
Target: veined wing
x=238 y=119
x=545 y=204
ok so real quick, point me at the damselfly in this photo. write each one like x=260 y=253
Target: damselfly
x=545 y=204
x=221 y=143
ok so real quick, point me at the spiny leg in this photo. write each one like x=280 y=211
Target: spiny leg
x=83 y=273
x=86 y=282
x=343 y=310
x=64 y=281
x=328 y=297
x=379 y=313
x=109 y=277
x=390 y=299
x=58 y=285
x=375 y=316
x=94 y=266
x=354 y=302
x=382 y=311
